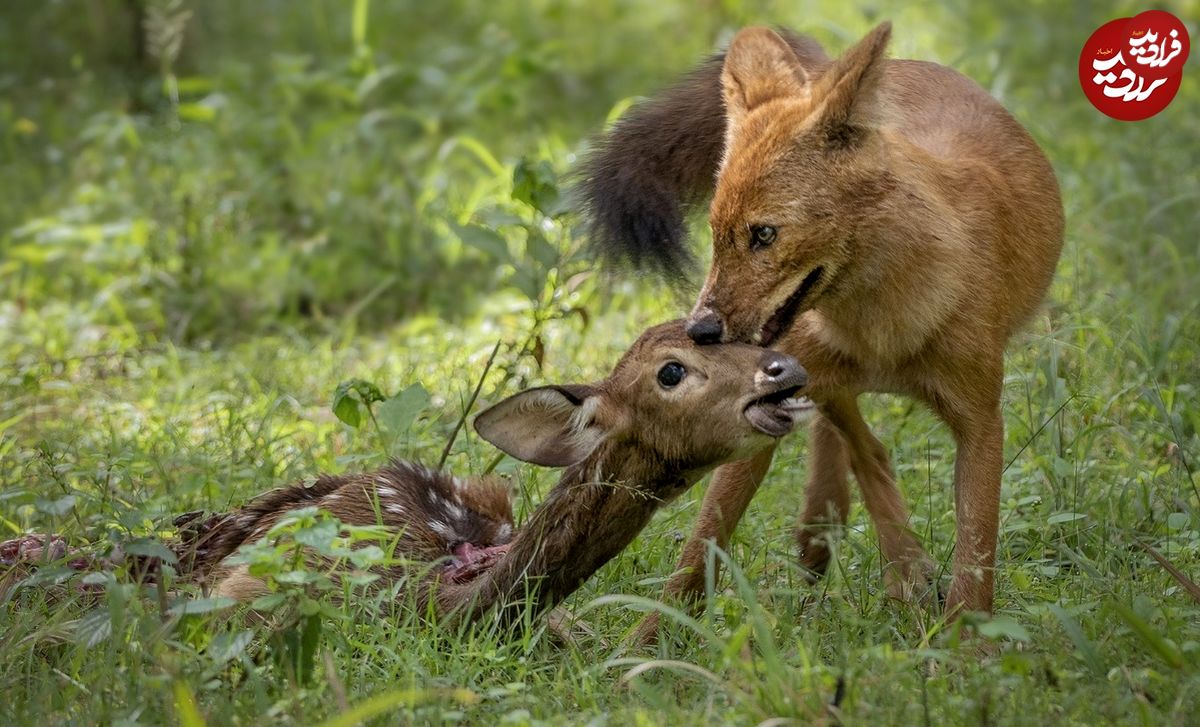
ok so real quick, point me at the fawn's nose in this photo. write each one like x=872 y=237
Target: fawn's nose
x=779 y=369
x=705 y=326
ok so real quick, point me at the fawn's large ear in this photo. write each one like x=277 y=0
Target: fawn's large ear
x=759 y=67
x=552 y=426
x=848 y=92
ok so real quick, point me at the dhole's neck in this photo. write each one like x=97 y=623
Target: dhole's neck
x=597 y=508
x=907 y=271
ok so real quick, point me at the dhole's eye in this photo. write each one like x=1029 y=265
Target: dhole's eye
x=761 y=236
x=671 y=374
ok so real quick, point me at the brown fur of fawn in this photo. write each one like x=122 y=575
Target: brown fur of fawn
x=436 y=517
x=885 y=221
x=627 y=444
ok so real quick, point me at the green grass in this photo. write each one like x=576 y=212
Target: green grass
x=185 y=282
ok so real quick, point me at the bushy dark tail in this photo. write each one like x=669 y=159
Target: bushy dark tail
x=661 y=158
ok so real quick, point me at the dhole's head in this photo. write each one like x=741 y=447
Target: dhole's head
x=800 y=176
x=668 y=401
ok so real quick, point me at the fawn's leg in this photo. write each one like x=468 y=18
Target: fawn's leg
x=827 y=495
x=732 y=487
x=908 y=567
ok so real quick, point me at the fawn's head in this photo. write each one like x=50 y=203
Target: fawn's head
x=802 y=172
x=668 y=401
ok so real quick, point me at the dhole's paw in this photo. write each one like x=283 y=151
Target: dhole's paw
x=914 y=582
x=645 y=635
x=814 y=542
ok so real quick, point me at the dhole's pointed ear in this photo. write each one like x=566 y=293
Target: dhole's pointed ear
x=847 y=93
x=552 y=426
x=759 y=67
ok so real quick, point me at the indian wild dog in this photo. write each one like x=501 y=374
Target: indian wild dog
x=669 y=412
x=886 y=222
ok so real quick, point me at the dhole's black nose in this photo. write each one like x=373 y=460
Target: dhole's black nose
x=705 y=326
x=779 y=368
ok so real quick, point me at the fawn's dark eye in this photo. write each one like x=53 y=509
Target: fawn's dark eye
x=671 y=374
x=761 y=236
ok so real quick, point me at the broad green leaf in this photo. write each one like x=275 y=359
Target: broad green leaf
x=1003 y=627
x=487 y=241
x=1178 y=520
x=94 y=628
x=227 y=646
x=58 y=507
x=535 y=184
x=346 y=407
x=269 y=602
x=201 y=605
x=398 y=413
x=150 y=549
x=540 y=249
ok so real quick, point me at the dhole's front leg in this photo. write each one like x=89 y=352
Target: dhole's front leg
x=908 y=567
x=732 y=487
x=978 y=465
x=966 y=395
x=826 y=496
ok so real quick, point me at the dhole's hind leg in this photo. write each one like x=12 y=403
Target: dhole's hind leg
x=827 y=495
x=732 y=487
x=975 y=420
x=909 y=569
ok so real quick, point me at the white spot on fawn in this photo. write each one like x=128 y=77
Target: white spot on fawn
x=396 y=509
x=386 y=492
x=440 y=528
x=455 y=511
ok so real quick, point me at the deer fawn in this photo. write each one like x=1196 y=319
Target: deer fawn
x=885 y=221
x=669 y=412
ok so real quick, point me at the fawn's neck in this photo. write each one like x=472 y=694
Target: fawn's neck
x=597 y=508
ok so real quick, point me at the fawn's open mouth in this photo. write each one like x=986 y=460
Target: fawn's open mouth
x=776 y=413
x=785 y=315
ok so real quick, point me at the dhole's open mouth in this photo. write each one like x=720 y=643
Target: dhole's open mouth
x=776 y=413
x=784 y=316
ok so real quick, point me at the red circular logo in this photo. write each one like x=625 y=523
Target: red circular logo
x=1131 y=68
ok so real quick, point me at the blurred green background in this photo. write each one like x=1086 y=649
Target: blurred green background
x=274 y=161
x=215 y=212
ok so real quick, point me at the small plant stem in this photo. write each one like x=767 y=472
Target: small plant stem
x=470 y=403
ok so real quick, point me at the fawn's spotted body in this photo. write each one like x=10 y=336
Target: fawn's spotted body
x=436 y=516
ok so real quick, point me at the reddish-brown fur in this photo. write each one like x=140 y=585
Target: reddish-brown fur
x=916 y=228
